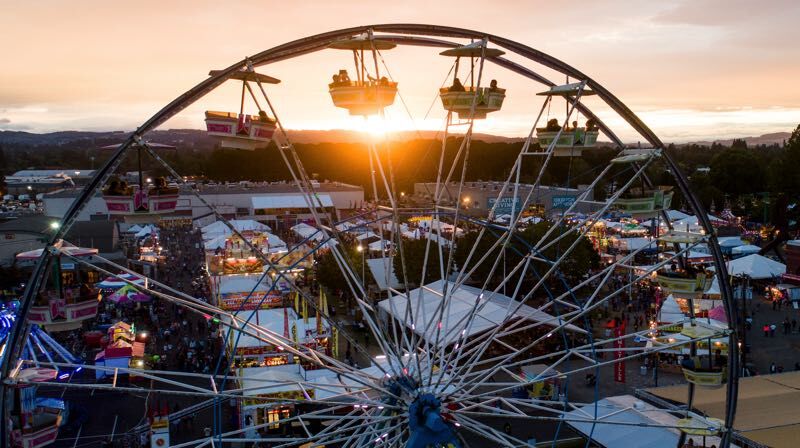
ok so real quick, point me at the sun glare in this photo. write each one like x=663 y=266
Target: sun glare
x=375 y=126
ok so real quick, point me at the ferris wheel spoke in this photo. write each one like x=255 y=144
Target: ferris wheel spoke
x=321 y=414
x=401 y=341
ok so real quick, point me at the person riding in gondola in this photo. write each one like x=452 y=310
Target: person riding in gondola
x=344 y=78
x=457 y=86
x=493 y=86
x=552 y=125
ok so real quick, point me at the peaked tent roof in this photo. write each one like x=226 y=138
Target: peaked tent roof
x=219 y=228
x=756 y=267
x=670 y=311
x=746 y=249
x=424 y=303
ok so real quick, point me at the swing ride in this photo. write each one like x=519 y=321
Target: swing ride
x=435 y=354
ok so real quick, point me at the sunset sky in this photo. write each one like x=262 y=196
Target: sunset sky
x=692 y=70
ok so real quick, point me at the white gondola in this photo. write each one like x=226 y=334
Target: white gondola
x=471 y=101
x=239 y=130
x=569 y=141
x=644 y=203
x=684 y=284
x=363 y=98
x=364 y=95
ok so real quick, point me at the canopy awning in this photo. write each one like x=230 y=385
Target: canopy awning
x=72 y=251
x=382 y=270
x=756 y=267
x=289 y=201
x=627 y=421
x=494 y=308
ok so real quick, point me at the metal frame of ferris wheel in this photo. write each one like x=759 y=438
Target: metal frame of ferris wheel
x=368 y=421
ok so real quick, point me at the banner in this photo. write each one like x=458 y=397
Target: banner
x=619 y=366
x=335 y=342
x=242 y=266
x=305 y=311
x=562 y=202
x=504 y=205
x=232 y=301
x=319 y=315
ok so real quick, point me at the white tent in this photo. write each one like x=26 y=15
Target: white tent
x=730 y=241
x=275 y=244
x=218 y=228
x=380 y=245
x=219 y=242
x=493 y=309
x=382 y=270
x=366 y=236
x=690 y=224
x=272 y=379
x=345 y=226
x=146 y=230
x=747 y=249
x=306 y=231
x=675 y=215
x=439 y=226
x=756 y=267
x=626 y=421
x=134 y=228
x=670 y=311
x=714 y=289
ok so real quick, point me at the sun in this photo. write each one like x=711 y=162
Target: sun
x=376 y=126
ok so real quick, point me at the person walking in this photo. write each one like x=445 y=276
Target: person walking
x=773 y=368
x=772 y=329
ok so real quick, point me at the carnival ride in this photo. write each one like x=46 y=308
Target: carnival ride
x=436 y=380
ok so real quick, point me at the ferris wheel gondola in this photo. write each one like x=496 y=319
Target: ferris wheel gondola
x=471 y=100
x=142 y=202
x=366 y=95
x=240 y=130
x=566 y=140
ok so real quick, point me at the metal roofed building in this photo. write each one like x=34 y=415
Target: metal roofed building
x=233 y=200
x=38 y=181
x=477 y=198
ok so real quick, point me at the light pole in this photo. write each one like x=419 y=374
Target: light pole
x=360 y=250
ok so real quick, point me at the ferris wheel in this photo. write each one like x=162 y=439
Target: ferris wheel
x=501 y=320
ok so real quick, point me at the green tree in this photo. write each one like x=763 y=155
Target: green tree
x=737 y=172
x=414 y=255
x=329 y=274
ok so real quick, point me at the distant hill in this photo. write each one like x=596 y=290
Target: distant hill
x=198 y=139
x=766 y=139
